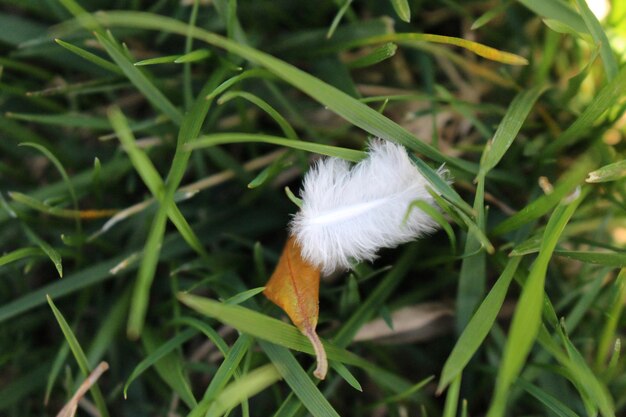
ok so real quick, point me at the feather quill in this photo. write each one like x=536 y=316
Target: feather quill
x=349 y=212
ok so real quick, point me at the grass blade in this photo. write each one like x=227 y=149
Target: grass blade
x=227 y=369
x=45 y=248
x=508 y=129
x=402 y=9
x=599 y=37
x=266 y=328
x=158 y=354
x=169 y=366
x=93 y=58
x=246 y=387
x=21 y=253
x=80 y=357
x=527 y=317
x=478 y=327
x=225 y=138
x=298 y=381
x=611 y=172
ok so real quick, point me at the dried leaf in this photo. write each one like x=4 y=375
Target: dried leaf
x=294 y=287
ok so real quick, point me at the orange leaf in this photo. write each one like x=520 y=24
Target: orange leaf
x=294 y=287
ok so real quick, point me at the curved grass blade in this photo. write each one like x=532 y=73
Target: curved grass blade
x=157 y=60
x=21 y=253
x=265 y=106
x=225 y=138
x=437 y=217
x=298 y=380
x=80 y=357
x=337 y=19
x=347 y=376
x=59 y=167
x=586 y=379
x=475 y=47
x=46 y=248
x=546 y=399
x=60 y=212
x=599 y=37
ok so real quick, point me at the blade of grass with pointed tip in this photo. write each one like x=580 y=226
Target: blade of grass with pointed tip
x=337 y=19
x=228 y=368
x=402 y=8
x=478 y=327
x=193 y=56
x=436 y=216
x=595 y=28
x=66 y=178
x=80 y=357
x=509 y=128
x=527 y=317
x=157 y=60
x=587 y=380
x=347 y=376
x=225 y=138
x=298 y=380
x=267 y=328
x=46 y=248
x=91 y=57
x=265 y=106
x=546 y=399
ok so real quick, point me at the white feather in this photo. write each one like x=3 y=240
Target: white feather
x=350 y=212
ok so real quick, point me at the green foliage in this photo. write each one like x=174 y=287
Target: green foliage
x=191 y=122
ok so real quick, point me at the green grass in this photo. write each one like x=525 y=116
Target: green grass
x=171 y=114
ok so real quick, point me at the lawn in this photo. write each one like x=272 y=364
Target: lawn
x=152 y=165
